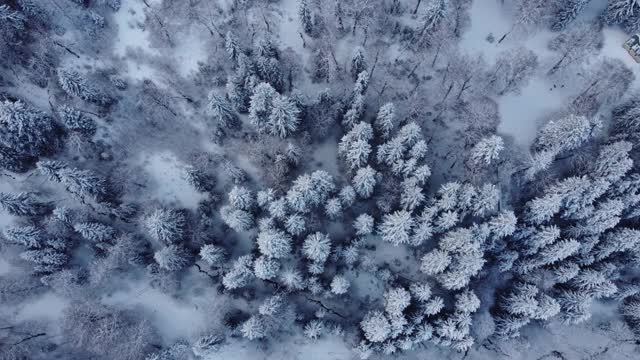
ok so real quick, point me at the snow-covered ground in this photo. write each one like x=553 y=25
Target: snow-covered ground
x=174 y=318
x=522 y=114
x=167 y=177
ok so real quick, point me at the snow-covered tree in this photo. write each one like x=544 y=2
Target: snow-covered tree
x=295 y=225
x=284 y=118
x=221 y=111
x=396 y=300
x=292 y=279
x=420 y=291
x=212 y=254
x=75 y=120
x=80 y=183
x=512 y=71
x=261 y=104
x=266 y=268
x=434 y=14
x=254 y=328
x=339 y=285
x=240 y=273
x=333 y=208
x=317 y=247
x=25 y=130
x=95 y=232
x=396 y=227
x=385 y=119
x=364 y=224
x=364 y=181
x=358 y=63
x=171 y=257
x=238 y=220
x=76 y=85
x=274 y=243
x=165 y=225
x=305 y=17
x=232 y=47
x=28 y=236
x=207 y=345
x=486 y=151
x=376 y=327
x=567 y=13
x=241 y=198
x=22 y=204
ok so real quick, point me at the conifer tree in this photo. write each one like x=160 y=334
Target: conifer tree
x=80 y=183
x=171 y=257
x=25 y=130
x=22 y=204
x=274 y=243
x=221 y=111
x=396 y=227
x=358 y=63
x=364 y=181
x=317 y=247
x=284 y=118
x=165 y=225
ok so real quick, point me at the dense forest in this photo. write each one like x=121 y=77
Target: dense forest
x=319 y=179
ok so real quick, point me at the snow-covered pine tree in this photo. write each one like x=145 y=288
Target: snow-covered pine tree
x=385 y=120
x=241 y=198
x=95 y=232
x=364 y=225
x=80 y=183
x=396 y=227
x=165 y=225
x=317 y=247
x=486 y=151
x=238 y=220
x=358 y=63
x=75 y=120
x=396 y=300
x=28 y=236
x=568 y=12
x=565 y=134
x=376 y=327
x=274 y=243
x=22 y=204
x=172 y=257
x=305 y=17
x=284 y=118
x=261 y=104
x=339 y=285
x=76 y=85
x=266 y=268
x=232 y=47
x=25 y=130
x=46 y=260
x=212 y=254
x=364 y=181
x=221 y=111
x=240 y=273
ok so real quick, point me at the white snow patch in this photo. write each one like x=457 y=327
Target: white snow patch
x=5 y=267
x=131 y=35
x=290 y=27
x=46 y=307
x=168 y=179
x=190 y=51
x=521 y=114
x=327 y=156
x=173 y=318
